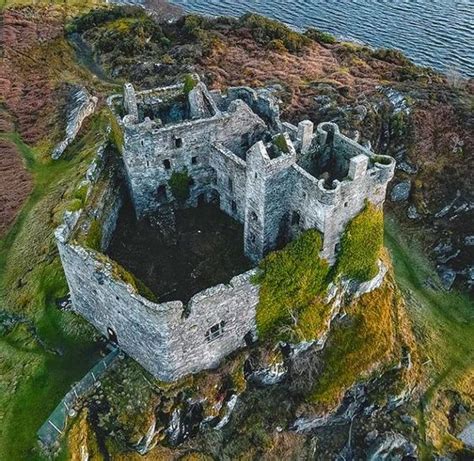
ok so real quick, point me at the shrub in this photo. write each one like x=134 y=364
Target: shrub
x=320 y=36
x=277 y=45
x=280 y=142
x=74 y=205
x=292 y=281
x=81 y=193
x=189 y=83
x=392 y=56
x=361 y=245
x=100 y=16
x=180 y=183
x=266 y=30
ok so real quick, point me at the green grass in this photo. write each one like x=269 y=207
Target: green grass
x=361 y=245
x=292 y=283
x=443 y=321
x=33 y=376
x=364 y=339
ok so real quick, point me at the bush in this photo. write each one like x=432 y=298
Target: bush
x=281 y=144
x=392 y=56
x=361 y=245
x=320 y=36
x=189 y=83
x=277 y=45
x=100 y=16
x=180 y=183
x=292 y=281
x=266 y=31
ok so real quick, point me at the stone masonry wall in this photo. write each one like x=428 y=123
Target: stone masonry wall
x=151 y=155
x=167 y=343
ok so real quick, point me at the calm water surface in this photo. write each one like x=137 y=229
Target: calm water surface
x=432 y=33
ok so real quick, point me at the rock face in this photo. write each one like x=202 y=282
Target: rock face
x=392 y=447
x=400 y=192
x=81 y=105
x=467 y=435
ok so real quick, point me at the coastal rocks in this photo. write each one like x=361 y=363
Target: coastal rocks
x=397 y=100
x=81 y=105
x=400 y=192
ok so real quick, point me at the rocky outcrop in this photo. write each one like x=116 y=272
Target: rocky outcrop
x=81 y=105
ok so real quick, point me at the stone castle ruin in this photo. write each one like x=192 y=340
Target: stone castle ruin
x=270 y=180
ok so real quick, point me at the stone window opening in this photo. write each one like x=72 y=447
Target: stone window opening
x=167 y=164
x=194 y=160
x=345 y=204
x=253 y=216
x=142 y=143
x=230 y=184
x=112 y=336
x=233 y=206
x=178 y=142
x=161 y=195
x=256 y=175
x=215 y=331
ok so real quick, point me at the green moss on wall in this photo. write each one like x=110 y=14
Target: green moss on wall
x=280 y=142
x=361 y=245
x=116 y=133
x=93 y=238
x=292 y=284
x=179 y=183
x=140 y=288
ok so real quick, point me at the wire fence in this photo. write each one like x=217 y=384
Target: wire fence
x=56 y=424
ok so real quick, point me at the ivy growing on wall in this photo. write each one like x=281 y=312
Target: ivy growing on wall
x=180 y=183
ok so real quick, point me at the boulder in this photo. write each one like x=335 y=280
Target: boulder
x=401 y=192
x=447 y=276
x=412 y=212
x=393 y=447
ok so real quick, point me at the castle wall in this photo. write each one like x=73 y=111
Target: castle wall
x=148 y=151
x=230 y=181
x=158 y=336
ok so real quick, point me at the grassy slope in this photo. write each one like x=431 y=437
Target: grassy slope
x=443 y=321
x=79 y=3
x=34 y=378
